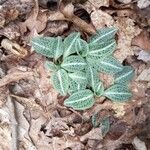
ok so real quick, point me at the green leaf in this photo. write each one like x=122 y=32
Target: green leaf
x=81 y=100
x=103 y=49
x=108 y=65
x=79 y=77
x=44 y=46
x=75 y=87
x=69 y=44
x=93 y=77
x=103 y=35
x=82 y=47
x=105 y=126
x=125 y=75
x=60 y=81
x=58 y=48
x=73 y=63
x=118 y=93
x=99 y=89
x=50 y=66
x=96 y=120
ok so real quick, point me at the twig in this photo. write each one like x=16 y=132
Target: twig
x=14 y=125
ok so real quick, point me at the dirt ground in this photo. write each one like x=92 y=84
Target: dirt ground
x=32 y=114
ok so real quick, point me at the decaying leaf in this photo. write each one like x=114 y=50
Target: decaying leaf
x=142 y=41
x=144 y=76
x=14 y=48
x=15 y=76
x=101 y=19
x=127 y=31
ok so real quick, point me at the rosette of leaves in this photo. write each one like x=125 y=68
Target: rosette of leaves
x=75 y=65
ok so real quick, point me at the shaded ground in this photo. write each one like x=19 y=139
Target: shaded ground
x=32 y=115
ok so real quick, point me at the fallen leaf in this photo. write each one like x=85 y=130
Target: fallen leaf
x=138 y=144
x=68 y=12
x=144 y=76
x=101 y=19
x=127 y=31
x=14 y=48
x=143 y=55
x=142 y=41
x=143 y=3
x=15 y=76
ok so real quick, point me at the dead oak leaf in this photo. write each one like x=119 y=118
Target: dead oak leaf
x=142 y=41
x=101 y=19
x=37 y=20
x=127 y=30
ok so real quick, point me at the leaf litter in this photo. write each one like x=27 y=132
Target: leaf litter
x=42 y=120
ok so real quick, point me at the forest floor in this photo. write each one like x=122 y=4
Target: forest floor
x=32 y=114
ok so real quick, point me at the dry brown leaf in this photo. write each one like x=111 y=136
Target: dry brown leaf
x=95 y=134
x=144 y=76
x=143 y=55
x=68 y=12
x=92 y=4
x=11 y=31
x=15 y=76
x=3 y=96
x=101 y=19
x=37 y=20
x=138 y=144
x=125 y=1
x=127 y=31
x=142 y=41
x=143 y=3
x=27 y=102
x=14 y=48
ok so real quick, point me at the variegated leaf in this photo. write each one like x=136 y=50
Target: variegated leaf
x=81 y=100
x=103 y=35
x=118 y=93
x=75 y=87
x=82 y=47
x=103 y=49
x=99 y=89
x=93 y=77
x=44 y=46
x=108 y=65
x=79 y=77
x=60 y=81
x=105 y=126
x=50 y=66
x=125 y=75
x=69 y=44
x=58 y=48
x=73 y=63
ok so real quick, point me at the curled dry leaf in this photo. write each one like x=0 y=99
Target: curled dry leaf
x=37 y=20
x=142 y=41
x=68 y=12
x=15 y=76
x=27 y=102
x=14 y=48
